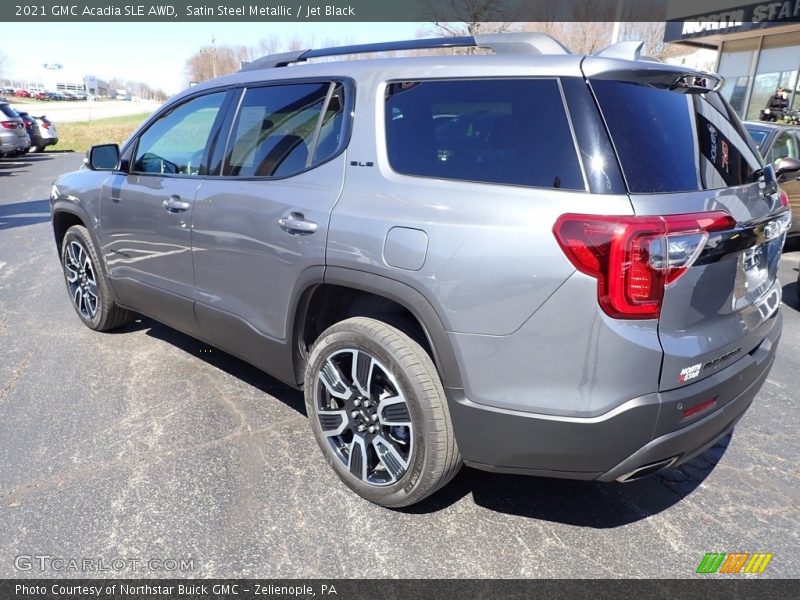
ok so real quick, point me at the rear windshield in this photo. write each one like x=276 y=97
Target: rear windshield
x=8 y=111
x=506 y=131
x=668 y=141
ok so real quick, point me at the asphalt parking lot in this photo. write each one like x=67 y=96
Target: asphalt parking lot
x=146 y=444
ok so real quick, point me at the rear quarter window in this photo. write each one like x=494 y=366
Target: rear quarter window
x=499 y=131
x=669 y=141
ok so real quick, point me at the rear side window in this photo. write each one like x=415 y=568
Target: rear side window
x=495 y=131
x=274 y=133
x=669 y=141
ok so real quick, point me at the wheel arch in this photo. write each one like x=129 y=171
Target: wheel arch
x=66 y=215
x=376 y=296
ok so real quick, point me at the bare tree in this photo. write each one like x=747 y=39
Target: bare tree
x=579 y=37
x=652 y=34
x=3 y=61
x=214 y=61
x=472 y=16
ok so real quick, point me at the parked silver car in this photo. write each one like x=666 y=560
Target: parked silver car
x=529 y=262
x=13 y=138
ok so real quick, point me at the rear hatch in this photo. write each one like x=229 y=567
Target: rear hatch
x=9 y=119
x=683 y=150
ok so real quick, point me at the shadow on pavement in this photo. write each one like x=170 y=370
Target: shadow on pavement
x=222 y=360
x=579 y=503
x=21 y=214
x=790 y=296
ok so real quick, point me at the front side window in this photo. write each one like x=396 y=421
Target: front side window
x=275 y=129
x=785 y=146
x=505 y=131
x=176 y=142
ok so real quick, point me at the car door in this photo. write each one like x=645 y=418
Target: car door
x=146 y=213
x=260 y=226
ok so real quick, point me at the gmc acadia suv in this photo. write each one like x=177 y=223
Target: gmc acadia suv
x=525 y=261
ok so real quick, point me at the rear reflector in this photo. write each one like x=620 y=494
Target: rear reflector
x=784 y=199
x=635 y=258
x=698 y=408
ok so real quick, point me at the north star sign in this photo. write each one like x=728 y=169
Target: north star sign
x=741 y=18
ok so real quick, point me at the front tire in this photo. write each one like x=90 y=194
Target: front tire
x=87 y=284
x=378 y=412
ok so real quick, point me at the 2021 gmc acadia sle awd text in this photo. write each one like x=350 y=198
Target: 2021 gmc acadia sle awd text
x=525 y=261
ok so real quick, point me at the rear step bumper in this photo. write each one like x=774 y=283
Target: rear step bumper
x=617 y=446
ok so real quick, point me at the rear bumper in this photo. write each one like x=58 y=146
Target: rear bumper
x=613 y=446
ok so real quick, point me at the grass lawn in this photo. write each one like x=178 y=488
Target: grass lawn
x=80 y=135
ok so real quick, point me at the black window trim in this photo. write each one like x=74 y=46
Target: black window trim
x=382 y=117
x=347 y=123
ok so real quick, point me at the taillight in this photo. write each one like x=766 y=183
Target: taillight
x=784 y=197
x=9 y=124
x=635 y=258
x=45 y=124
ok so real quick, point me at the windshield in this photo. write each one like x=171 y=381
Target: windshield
x=669 y=141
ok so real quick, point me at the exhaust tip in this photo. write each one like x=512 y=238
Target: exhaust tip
x=647 y=469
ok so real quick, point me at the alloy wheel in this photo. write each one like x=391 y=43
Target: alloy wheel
x=364 y=416
x=81 y=279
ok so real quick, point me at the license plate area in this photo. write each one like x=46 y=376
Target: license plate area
x=755 y=273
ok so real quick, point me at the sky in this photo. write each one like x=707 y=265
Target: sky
x=156 y=53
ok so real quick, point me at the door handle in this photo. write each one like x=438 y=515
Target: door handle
x=175 y=204
x=296 y=224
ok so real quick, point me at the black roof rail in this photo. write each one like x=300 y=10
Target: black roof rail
x=505 y=43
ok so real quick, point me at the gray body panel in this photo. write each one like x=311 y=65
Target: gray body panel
x=142 y=239
x=245 y=264
x=539 y=378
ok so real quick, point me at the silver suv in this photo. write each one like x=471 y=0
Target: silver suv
x=527 y=261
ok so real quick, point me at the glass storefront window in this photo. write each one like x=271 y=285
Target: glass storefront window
x=777 y=68
x=734 y=65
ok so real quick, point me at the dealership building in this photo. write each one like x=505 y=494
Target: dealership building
x=758 y=51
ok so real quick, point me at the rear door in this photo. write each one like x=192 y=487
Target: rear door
x=683 y=150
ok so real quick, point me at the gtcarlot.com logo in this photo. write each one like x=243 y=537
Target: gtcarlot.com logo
x=59 y=564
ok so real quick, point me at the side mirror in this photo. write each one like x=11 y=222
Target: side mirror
x=786 y=165
x=104 y=157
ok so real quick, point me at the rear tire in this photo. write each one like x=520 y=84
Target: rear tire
x=87 y=284
x=378 y=412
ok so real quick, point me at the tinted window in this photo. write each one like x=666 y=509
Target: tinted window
x=274 y=130
x=668 y=141
x=176 y=142
x=785 y=146
x=494 y=131
x=759 y=136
